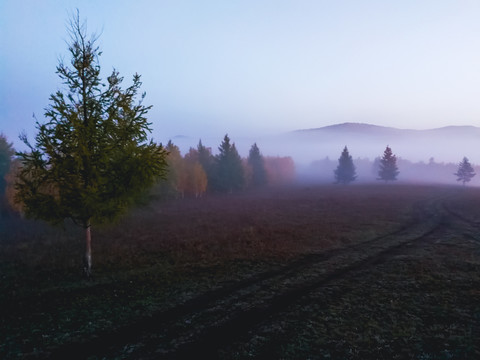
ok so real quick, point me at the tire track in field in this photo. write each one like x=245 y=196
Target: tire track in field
x=222 y=333
x=474 y=225
x=229 y=318
x=198 y=327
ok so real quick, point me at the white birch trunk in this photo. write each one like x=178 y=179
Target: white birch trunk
x=88 y=251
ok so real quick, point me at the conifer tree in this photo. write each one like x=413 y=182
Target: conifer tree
x=465 y=171
x=228 y=167
x=257 y=164
x=388 y=166
x=92 y=157
x=6 y=154
x=345 y=172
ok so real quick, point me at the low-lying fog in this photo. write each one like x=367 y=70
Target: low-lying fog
x=422 y=155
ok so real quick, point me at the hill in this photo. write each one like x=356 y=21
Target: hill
x=445 y=144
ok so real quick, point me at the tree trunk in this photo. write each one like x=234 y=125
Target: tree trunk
x=88 y=251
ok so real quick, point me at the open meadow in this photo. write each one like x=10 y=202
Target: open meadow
x=375 y=271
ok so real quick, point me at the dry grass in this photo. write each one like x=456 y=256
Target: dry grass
x=282 y=222
x=167 y=252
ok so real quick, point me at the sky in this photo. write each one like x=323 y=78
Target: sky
x=251 y=68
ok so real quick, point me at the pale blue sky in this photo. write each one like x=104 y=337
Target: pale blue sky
x=255 y=67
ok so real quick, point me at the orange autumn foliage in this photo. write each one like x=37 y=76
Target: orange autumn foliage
x=280 y=170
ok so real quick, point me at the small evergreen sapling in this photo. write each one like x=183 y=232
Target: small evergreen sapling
x=465 y=171
x=345 y=172
x=388 y=166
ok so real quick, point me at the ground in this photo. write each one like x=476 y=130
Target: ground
x=320 y=272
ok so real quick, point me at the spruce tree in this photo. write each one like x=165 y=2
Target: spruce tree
x=345 y=172
x=257 y=164
x=228 y=168
x=388 y=166
x=465 y=171
x=92 y=157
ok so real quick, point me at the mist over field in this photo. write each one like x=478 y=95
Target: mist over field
x=447 y=144
x=424 y=156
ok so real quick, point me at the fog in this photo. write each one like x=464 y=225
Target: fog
x=423 y=156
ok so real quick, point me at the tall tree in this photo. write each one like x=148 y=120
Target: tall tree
x=257 y=165
x=197 y=180
x=388 y=166
x=197 y=183
x=345 y=172
x=176 y=177
x=10 y=192
x=6 y=161
x=229 y=169
x=207 y=160
x=92 y=157
x=6 y=154
x=465 y=171
x=192 y=156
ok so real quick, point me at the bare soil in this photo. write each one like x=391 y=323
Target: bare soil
x=331 y=272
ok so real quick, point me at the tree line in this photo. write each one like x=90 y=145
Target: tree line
x=387 y=169
x=92 y=158
x=345 y=172
x=199 y=171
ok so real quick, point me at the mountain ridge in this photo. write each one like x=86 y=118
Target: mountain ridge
x=354 y=126
x=449 y=143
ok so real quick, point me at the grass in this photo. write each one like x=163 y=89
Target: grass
x=165 y=253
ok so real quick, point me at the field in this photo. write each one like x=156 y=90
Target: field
x=321 y=272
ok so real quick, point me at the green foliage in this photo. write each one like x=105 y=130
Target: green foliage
x=92 y=157
x=465 y=171
x=6 y=154
x=229 y=169
x=345 y=171
x=257 y=163
x=388 y=166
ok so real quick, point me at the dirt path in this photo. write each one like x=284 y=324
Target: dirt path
x=216 y=322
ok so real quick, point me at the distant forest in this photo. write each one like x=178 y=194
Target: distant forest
x=200 y=171
x=367 y=171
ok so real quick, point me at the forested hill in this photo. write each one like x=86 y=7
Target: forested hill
x=445 y=144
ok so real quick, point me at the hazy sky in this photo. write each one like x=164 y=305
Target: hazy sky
x=256 y=67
